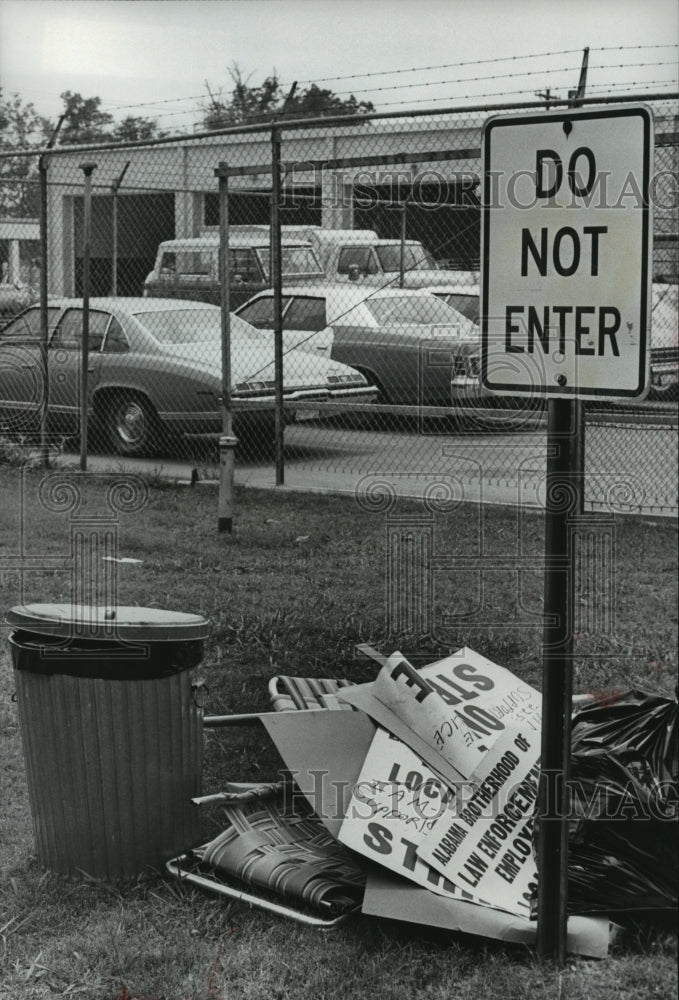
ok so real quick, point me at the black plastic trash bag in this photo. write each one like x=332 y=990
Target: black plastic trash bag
x=623 y=824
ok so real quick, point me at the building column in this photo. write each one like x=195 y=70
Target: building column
x=14 y=263
x=337 y=195
x=337 y=200
x=60 y=242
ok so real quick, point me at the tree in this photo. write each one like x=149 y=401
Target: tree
x=21 y=128
x=135 y=128
x=84 y=122
x=20 y=124
x=316 y=101
x=252 y=105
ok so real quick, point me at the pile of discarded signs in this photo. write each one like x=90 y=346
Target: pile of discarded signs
x=430 y=779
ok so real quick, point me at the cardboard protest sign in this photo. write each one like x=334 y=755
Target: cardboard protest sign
x=396 y=801
x=450 y=712
x=324 y=752
x=485 y=844
x=391 y=897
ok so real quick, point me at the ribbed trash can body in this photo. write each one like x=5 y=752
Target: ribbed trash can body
x=112 y=739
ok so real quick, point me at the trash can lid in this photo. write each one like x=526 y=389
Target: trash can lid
x=131 y=623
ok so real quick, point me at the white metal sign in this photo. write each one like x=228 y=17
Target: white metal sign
x=565 y=253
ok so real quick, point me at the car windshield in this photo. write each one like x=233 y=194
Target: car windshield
x=415 y=258
x=294 y=260
x=467 y=304
x=664 y=295
x=425 y=310
x=191 y=326
x=190 y=262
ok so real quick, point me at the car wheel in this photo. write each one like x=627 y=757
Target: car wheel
x=132 y=425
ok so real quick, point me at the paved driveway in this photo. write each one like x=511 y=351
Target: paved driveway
x=629 y=468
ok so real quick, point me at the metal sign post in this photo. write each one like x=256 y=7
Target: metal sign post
x=563 y=503
x=565 y=307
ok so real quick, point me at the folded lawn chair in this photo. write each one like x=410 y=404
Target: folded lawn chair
x=275 y=853
x=268 y=856
x=290 y=693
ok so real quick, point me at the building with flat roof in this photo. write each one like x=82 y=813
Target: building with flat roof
x=431 y=163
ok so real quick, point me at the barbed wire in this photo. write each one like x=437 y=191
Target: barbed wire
x=497 y=93
x=415 y=69
x=478 y=62
x=188 y=132
x=505 y=76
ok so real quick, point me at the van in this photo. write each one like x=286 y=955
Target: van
x=360 y=255
x=189 y=268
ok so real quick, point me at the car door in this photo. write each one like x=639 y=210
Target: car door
x=64 y=359
x=21 y=382
x=246 y=275
x=259 y=311
x=304 y=321
x=305 y=325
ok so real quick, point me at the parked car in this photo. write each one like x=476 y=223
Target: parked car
x=189 y=268
x=403 y=341
x=154 y=368
x=466 y=388
x=463 y=297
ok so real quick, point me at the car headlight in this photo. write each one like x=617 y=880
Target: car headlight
x=356 y=379
x=254 y=385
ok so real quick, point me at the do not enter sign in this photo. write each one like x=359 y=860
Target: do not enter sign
x=565 y=253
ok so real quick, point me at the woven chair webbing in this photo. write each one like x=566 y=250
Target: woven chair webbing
x=292 y=856
x=290 y=693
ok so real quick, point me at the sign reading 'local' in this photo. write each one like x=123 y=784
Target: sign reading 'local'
x=565 y=253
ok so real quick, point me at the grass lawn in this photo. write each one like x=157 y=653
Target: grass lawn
x=299 y=583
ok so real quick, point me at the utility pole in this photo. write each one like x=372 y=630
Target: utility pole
x=576 y=96
x=546 y=96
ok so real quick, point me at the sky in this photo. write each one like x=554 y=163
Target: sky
x=157 y=57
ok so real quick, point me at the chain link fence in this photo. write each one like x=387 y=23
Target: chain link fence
x=377 y=373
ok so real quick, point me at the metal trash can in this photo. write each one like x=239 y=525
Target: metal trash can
x=112 y=733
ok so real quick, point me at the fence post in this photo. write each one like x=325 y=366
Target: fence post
x=87 y=169
x=227 y=441
x=277 y=275
x=114 y=227
x=44 y=331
